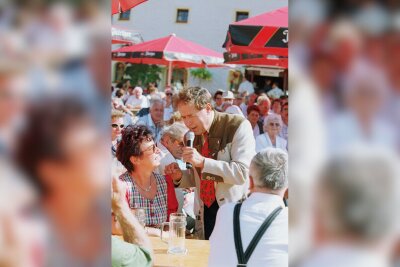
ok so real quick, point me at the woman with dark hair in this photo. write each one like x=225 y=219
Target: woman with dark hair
x=253 y=116
x=146 y=189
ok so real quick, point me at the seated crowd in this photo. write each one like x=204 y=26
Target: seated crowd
x=163 y=175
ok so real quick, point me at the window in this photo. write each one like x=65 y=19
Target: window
x=182 y=15
x=125 y=15
x=241 y=15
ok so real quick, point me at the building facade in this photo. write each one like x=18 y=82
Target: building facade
x=202 y=21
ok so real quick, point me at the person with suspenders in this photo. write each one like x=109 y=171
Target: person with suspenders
x=255 y=232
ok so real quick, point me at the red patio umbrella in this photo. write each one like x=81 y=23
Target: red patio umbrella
x=119 y=6
x=263 y=34
x=170 y=51
x=256 y=60
x=121 y=35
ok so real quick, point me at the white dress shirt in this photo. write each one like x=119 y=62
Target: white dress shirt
x=141 y=101
x=271 y=251
x=263 y=141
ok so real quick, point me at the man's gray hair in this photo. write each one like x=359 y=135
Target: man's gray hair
x=269 y=169
x=175 y=131
x=156 y=101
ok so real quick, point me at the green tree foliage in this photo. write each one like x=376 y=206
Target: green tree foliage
x=201 y=75
x=142 y=74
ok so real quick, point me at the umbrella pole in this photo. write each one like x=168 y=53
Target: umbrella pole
x=169 y=76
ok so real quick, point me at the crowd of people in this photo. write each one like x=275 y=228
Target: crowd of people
x=162 y=174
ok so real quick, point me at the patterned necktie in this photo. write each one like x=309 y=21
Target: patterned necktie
x=207 y=189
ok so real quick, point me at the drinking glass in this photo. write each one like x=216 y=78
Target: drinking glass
x=176 y=233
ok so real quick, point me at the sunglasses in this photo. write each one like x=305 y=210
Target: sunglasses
x=114 y=125
x=274 y=124
x=168 y=94
x=153 y=147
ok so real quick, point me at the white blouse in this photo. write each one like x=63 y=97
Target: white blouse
x=263 y=141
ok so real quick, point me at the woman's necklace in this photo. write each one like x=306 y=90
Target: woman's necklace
x=148 y=188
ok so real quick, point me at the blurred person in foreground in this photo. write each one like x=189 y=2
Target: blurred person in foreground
x=270 y=138
x=355 y=213
x=12 y=102
x=135 y=248
x=268 y=183
x=64 y=156
x=361 y=121
x=146 y=188
x=220 y=156
x=22 y=228
x=155 y=119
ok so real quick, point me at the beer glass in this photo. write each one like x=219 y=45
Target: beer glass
x=176 y=233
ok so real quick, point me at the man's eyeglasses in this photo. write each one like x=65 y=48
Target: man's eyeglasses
x=274 y=124
x=150 y=148
x=114 y=125
x=168 y=94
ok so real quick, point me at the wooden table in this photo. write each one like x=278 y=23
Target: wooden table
x=197 y=255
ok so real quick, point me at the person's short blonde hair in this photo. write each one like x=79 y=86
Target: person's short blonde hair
x=116 y=114
x=199 y=96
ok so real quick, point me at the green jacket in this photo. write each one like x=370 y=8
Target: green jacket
x=125 y=254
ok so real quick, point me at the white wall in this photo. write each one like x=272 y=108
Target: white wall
x=207 y=25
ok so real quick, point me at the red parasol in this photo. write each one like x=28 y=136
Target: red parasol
x=121 y=35
x=119 y=6
x=256 y=59
x=263 y=34
x=171 y=51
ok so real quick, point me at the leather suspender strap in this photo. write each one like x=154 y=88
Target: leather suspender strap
x=257 y=237
x=237 y=235
x=244 y=258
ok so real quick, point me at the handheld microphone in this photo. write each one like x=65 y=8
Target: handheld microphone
x=189 y=137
